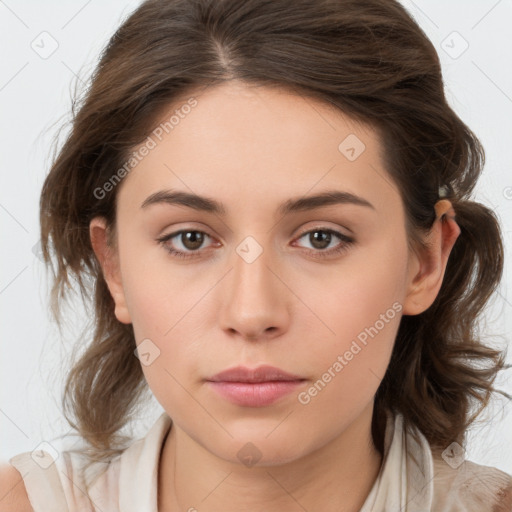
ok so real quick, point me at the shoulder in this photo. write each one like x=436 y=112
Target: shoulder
x=62 y=479
x=475 y=486
x=13 y=494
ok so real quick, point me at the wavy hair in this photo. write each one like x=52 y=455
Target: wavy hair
x=367 y=58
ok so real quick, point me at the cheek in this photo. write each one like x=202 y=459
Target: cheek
x=349 y=369
x=166 y=313
x=156 y=296
x=362 y=288
x=362 y=313
x=163 y=322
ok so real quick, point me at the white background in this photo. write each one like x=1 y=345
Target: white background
x=35 y=98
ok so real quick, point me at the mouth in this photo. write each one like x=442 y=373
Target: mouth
x=257 y=387
x=264 y=373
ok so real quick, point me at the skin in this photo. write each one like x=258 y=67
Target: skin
x=253 y=148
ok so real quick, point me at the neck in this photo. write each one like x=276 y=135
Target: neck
x=336 y=477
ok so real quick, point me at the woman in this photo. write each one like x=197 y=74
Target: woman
x=270 y=203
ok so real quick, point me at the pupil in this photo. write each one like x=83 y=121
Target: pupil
x=325 y=239
x=193 y=239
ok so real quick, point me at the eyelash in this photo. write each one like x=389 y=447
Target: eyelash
x=319 y=253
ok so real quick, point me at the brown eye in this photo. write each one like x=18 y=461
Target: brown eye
x=192 y=240
x=320 y=239
x=185 y=243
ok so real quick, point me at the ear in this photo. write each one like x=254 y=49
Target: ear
x=427 y=268
x=108 y=259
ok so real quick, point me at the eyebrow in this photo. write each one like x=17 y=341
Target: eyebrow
x=206 y=204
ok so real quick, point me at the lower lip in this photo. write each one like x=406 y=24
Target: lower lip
x=257 y=394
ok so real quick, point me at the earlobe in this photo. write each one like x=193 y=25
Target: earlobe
x=428 y=266
x=108 y=259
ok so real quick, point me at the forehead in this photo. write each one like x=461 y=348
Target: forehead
x=254 y=145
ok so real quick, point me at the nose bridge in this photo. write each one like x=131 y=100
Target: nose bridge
x=251 y=268
x=254 y=302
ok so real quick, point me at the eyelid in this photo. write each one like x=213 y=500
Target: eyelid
x=304 y=231
x=324 y=227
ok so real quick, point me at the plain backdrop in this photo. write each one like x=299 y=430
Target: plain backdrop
x=46 y=47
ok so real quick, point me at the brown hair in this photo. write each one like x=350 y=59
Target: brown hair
x=367 y=58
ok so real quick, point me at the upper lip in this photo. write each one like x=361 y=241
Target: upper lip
x=264 y=373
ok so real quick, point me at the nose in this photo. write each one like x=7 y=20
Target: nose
x=255 y=301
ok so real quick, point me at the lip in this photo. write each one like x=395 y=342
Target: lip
x=264 y=373
x=254 y=387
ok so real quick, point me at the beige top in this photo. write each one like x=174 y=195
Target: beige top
x=410 y=478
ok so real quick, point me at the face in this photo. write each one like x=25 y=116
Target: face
x=316 y=290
